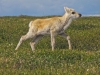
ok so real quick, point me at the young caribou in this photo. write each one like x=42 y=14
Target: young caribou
x=53 y=26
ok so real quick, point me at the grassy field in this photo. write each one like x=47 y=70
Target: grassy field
x=84 y=59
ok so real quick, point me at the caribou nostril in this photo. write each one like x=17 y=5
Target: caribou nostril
x=80 y=15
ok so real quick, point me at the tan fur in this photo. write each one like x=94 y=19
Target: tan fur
x=52 y=26
x=41 y=24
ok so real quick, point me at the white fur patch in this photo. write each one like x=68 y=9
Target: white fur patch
x=30 y=24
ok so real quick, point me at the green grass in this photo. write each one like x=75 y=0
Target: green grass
x=84 y=59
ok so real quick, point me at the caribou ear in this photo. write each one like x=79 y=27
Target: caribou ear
x=67 y=9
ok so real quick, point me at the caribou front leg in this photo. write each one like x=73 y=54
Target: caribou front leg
x=53 y=40
x=68 y=39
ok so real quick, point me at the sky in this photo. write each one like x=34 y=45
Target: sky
x=47 y=7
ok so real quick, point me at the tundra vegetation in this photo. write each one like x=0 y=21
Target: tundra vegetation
x=84 y=59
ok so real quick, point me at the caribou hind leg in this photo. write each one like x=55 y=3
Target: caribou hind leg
x=23 y=38
x=34 y=41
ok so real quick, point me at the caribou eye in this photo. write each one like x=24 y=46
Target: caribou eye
x=73 y=12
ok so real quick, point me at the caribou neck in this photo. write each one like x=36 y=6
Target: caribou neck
x=66 y=18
